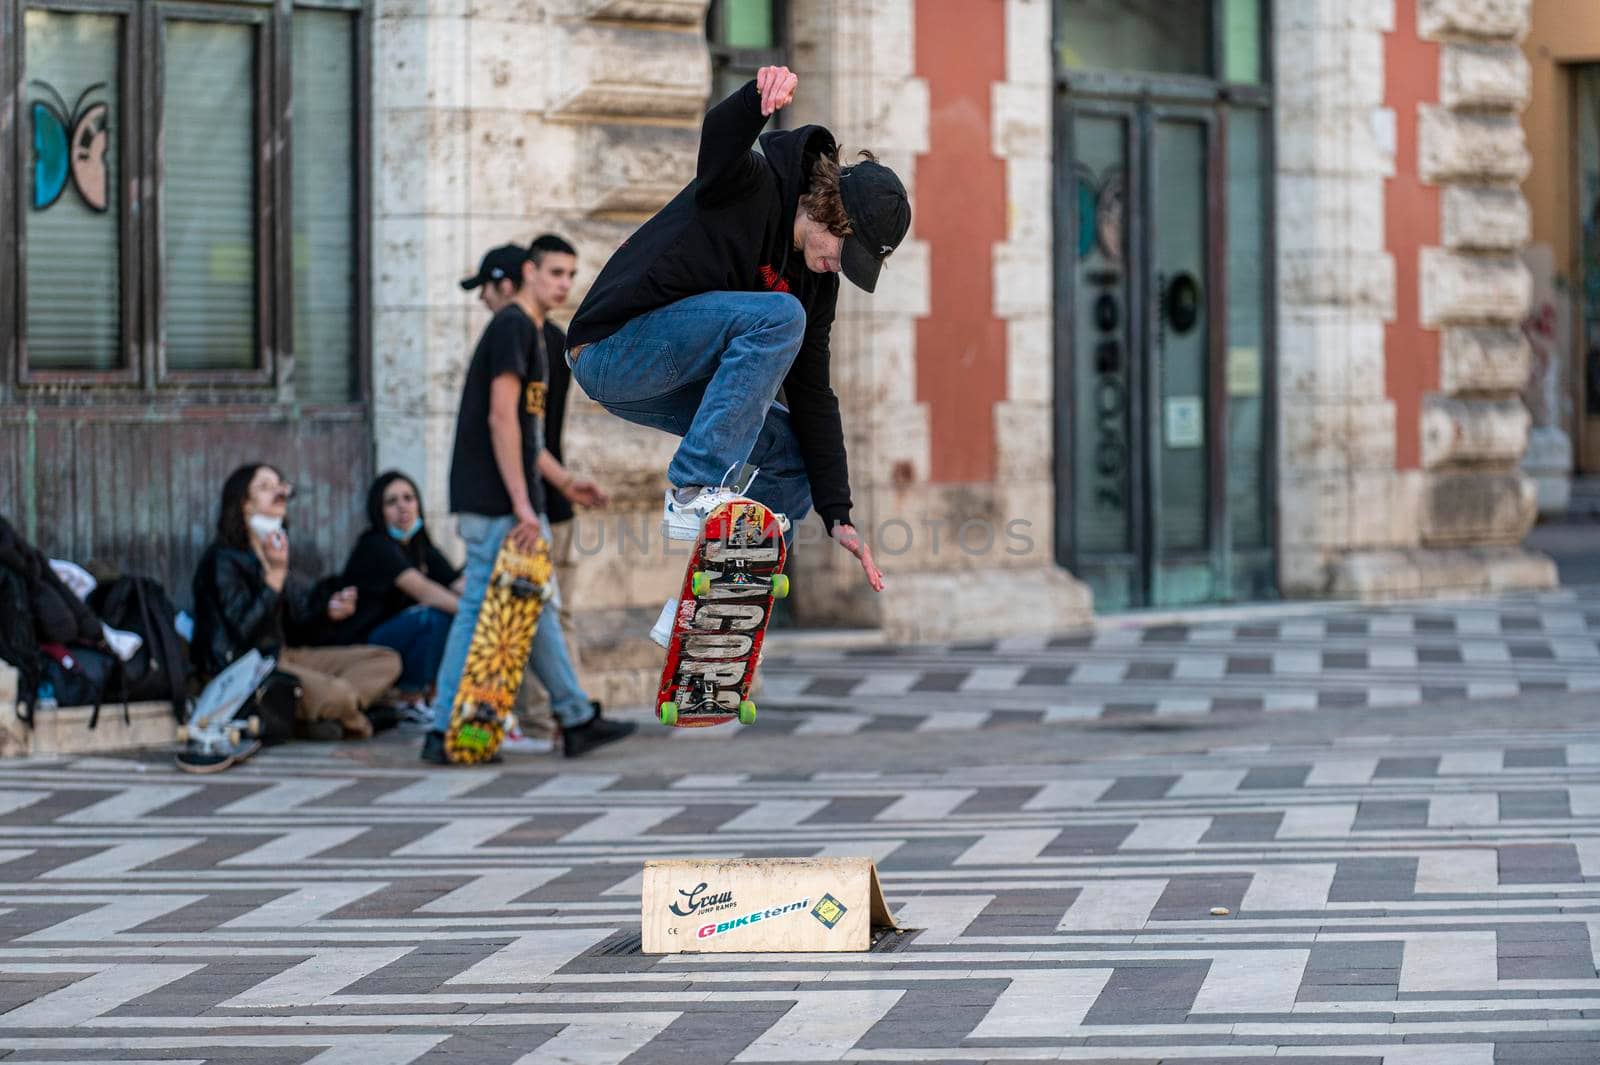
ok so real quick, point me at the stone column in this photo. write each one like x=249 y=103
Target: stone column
x=1338 y=487
x=1351 y=523
x=1476 y=503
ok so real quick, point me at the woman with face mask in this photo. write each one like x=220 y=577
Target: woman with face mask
x=407 y=591
x=246 y=598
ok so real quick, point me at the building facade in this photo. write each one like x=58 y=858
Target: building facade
x=1562 y=121
x=1203 y=301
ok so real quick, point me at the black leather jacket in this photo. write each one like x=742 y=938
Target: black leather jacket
x=235 y=610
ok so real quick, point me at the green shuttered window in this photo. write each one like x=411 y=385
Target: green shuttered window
x=208 y=217
x=187 y=196
x=324 y=242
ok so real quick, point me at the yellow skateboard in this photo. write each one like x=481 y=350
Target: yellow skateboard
x=518 y=588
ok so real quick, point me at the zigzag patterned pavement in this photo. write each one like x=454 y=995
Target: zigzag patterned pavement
x=1427 y=894
x=1292 y=660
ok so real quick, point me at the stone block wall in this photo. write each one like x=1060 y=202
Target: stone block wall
x=494 y=121
x=1338 y=486
x=1476 y=289
x=1353 y=521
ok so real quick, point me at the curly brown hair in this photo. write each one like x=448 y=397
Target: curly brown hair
x=822 y=201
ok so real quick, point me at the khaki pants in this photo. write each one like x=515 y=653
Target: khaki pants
x=532 y=706
x=337 y=683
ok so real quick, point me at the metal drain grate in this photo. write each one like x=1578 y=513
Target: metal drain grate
x=616 y=945
x=628 y=943
x=888 y=941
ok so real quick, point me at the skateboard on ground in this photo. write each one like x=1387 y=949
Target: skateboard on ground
x=518 y=587
x=215 y=740
x=734 y=574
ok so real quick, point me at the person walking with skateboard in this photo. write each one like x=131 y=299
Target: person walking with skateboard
x=727 y=294
x=496 y=488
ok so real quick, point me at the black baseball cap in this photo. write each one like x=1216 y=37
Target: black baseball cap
x=498 y=264
x=879 y=215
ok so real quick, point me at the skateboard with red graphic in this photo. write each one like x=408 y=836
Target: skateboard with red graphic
x=734 y=575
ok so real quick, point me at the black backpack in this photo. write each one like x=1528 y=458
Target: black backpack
x=86 y=677
x=159 y=670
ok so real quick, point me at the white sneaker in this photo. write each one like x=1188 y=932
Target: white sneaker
x=517 y=740
x=661 y=631
x=683 y=521
x=415 y=716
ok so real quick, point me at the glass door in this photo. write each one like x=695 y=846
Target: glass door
x=1179 y=359
x=1162 y=434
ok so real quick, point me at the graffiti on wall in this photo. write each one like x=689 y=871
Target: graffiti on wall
x=70 y=142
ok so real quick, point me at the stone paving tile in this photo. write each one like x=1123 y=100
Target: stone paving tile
x=1347 y=659
x=1381 y=892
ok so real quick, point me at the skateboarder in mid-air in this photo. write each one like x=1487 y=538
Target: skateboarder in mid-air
x=729 y=293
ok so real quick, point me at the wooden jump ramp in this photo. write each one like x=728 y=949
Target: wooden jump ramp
x=763 y=905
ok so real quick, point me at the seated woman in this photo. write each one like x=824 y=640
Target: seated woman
x=245 y=597
x=407 y=590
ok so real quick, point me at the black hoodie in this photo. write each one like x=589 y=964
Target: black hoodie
x=731 y=229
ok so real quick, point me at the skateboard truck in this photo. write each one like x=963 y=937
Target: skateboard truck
x=523 y=588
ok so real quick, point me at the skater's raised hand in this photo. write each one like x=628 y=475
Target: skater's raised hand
x=586 y=493
x=776 y=86
x=851 y=541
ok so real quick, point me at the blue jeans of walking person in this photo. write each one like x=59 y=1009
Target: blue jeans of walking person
x=547 y=658
x=708 y=369
x=418 y=633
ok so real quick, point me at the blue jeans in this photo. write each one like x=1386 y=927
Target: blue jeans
x=548 y=655
x=418 y=632
x=708 y=368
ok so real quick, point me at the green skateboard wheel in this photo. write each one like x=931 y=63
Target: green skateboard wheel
x=669 y=711
x=700 y=583
x=747 y=712
x=780 y=586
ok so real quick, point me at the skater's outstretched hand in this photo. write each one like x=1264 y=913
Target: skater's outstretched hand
x=776 y=86
x=586 y=493
x=851 y=541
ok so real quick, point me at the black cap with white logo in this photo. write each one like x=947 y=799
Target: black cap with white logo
x=498 y=264
x=879 y=215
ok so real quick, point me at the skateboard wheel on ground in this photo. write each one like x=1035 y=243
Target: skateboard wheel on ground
x=747 y=713
x=780 y=586
x=700 y=583
x=669 y=713
x=183 y=733
x=234 y=736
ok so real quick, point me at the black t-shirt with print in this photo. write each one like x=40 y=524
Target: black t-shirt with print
x=375 y=562
x=555 y=417
x=510 y=344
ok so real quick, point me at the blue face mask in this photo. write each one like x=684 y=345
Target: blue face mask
x=406 y=534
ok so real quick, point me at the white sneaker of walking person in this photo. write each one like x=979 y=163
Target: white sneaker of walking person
x=522 y=743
